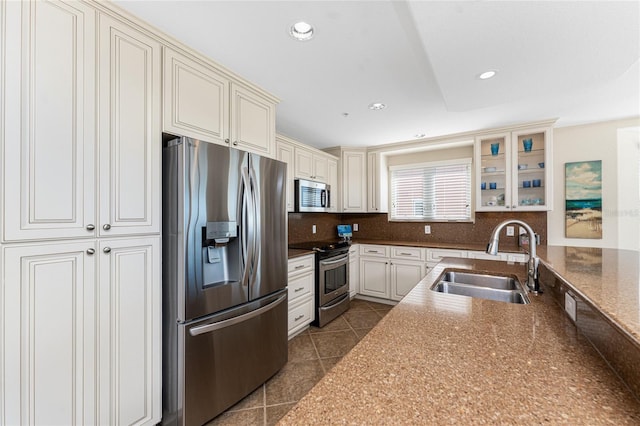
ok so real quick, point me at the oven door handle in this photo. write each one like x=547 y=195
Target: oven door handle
x=333 y=262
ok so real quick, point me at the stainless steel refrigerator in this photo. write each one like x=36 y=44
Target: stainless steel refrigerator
x=224 y=277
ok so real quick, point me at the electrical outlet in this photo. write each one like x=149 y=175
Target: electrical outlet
x=570 y=306
x=355 y=227
x=313 y=229
x=510 y=231
x=427 y=229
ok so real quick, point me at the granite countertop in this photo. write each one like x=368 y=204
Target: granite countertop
x=438 y=358
x=608 y=278
x=293 y=253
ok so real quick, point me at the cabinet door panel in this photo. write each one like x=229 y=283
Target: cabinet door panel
x=49 y=128
x=332 y=180
x=320 y=168
x=130 y=136
x=130 y=331
x=48 y=324
x=284 y=152
x=196 y=99
x=253 y=121
x=374 y=279
x=354 y=182
x=405 y=276
x=304 y=163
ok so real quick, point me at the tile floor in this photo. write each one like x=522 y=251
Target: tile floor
x=311 y=354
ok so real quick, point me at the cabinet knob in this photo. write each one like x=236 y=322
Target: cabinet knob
x=90 y=251
x=106 y=226
x=107 y=249
x=226 y=140
x=235 y=143
x=90 y=227
x=513 y=207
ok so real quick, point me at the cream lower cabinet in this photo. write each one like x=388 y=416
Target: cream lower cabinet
x=81 y=332
x=374 y=271
x=407 y=269
x=374 y=277
x=129 y=363
x=48 y=327
x=354 y=270
x=301 y=293
x=390 y=272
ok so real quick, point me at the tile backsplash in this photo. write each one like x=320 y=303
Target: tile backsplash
x=375 y=226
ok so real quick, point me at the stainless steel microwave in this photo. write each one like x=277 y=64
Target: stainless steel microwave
x=312 y=196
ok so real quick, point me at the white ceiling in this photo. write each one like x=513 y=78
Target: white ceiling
x=575 y=61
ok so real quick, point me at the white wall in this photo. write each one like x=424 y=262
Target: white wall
x=628 y=211
x=599 y=141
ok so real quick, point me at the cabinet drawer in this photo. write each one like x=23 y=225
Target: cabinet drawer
x=301 y=264
x=409 y=253
x=300 y=285
x=300 y=315
x=435 y=255
x=374 y=250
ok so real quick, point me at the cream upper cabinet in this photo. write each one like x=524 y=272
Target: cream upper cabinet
x=377 y=186
x=48 y=324
x=48 y=138
x=285 y=153
x=332 y=180
x=354 y=181
x=512 y=177
x=311 y=165
x=204 y=103
x=130 y=135
x=129 y=330
x=321 y=168
x=196 y=99
x=253 y=121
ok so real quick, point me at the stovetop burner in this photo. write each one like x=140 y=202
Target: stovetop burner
x=321 y=246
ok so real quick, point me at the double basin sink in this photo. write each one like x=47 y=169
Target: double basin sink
x=501 y=288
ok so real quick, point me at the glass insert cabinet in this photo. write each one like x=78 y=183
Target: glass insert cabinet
x=514 y=170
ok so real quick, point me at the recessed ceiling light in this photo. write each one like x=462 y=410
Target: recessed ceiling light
x=487 y=74
x=420 y=135
x=377 y=106
x=301 y=31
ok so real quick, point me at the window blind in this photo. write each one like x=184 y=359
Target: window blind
x=431 y=191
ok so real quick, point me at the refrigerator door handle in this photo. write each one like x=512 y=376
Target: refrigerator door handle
x=247 y=226
x=195 y=331
x=255 y=194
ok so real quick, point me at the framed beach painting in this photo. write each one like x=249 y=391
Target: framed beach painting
x=583 y=199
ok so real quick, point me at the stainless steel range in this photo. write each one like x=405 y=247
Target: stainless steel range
x=332 y=279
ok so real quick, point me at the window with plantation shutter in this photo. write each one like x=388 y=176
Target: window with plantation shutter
x=439 y=191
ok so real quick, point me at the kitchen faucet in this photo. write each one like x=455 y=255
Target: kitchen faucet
x=532 y=265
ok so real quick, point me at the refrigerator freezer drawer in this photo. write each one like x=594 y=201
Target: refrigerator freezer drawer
x=228 y=359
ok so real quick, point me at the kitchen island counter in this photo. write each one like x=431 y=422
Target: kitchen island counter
x=439 y=358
